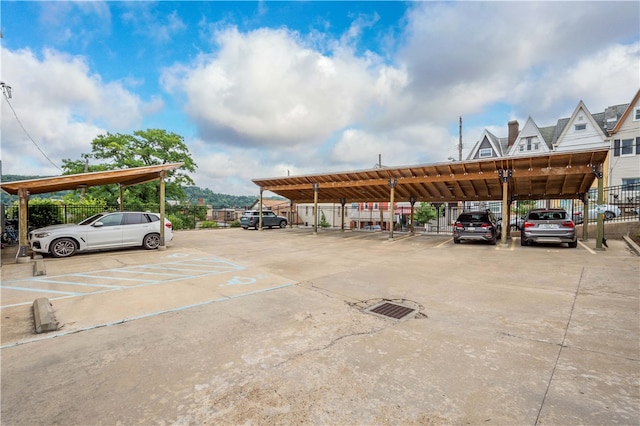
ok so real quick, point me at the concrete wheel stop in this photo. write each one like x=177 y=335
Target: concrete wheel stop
x=43 y=316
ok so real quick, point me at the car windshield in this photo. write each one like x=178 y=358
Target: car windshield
x=548 y=215
x=468 y=217
x=90 y=220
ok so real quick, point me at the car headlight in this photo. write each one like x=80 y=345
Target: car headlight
x=41 y=234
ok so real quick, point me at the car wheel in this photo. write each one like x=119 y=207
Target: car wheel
x=515 y=228
x=609 y=215
x=493 y=241
x=151 y=241
x=456 y=241
x=63 y=247
x=283 y=224
x=523 y=242
x=573 y=244
x=245 y=227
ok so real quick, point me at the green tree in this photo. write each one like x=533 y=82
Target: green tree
x=425 y=213
x=523 y=207
x=323 y=220
x=142 y=148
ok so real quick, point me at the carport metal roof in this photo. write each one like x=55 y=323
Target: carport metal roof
x=562 y=175
x=124 y=177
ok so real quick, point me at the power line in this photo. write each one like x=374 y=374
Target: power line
x=6 y=91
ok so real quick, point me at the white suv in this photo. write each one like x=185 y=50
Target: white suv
x=101 y=231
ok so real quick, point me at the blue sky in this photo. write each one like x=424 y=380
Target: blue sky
x=262 y=89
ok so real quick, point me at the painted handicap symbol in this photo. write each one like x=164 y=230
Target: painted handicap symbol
x=243 y=280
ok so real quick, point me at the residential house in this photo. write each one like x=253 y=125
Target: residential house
x=582 y=131
x=624 y=134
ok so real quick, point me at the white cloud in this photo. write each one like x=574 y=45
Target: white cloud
x=63 y=106
x=266 y=88
x=267 y=101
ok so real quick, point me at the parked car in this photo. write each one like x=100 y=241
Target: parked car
x=372 y=228
x=548 y=226
x=251 y=219
x=478 y=226
x=101 y=231
x=610 y=211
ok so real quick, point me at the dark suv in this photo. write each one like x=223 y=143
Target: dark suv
x=251 y=219
x=477 y=225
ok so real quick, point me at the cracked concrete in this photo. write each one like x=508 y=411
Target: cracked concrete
x=504 y=335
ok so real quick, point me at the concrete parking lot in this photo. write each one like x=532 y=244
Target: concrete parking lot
x=271 y=327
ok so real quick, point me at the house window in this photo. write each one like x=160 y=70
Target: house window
x=581 y=127
x=521 y=148
x=529 y=144
x=633 y=183
x=375 y=206
x=535 y=146
x=626 y=147
x=636 y=114
x=486 y=152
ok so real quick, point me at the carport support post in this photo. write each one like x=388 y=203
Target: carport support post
x=291 y=216
x=412 y=200
x=505 y=177
x=23 y=195
x=260 y=211
x=343 y=201
x=316 y=188
x=597 y=170
x=392 y=184
x=584 y=197
x=162 y=212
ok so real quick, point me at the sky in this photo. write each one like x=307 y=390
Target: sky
x=276 y=88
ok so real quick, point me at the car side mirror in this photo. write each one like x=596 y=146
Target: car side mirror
x=98 y=224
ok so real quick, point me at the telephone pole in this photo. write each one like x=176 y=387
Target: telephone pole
x=460 y=141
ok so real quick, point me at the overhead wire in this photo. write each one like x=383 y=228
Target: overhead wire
x=6 y=97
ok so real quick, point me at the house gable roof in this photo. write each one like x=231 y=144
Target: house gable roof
x=531 y=129
x=626 y=113
x=576 y=118
x=492 y=140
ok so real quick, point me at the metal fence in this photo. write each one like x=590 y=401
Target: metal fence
x=40 y=215
x=620 y=203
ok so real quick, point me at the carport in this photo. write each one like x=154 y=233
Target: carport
x=123 y=177
x=565 y=175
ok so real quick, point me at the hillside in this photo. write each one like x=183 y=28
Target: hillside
x=193 y=194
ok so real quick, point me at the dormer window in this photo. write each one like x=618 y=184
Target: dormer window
x=636 y=114
x=531 y=146
x=486 y=152
x=581 y=127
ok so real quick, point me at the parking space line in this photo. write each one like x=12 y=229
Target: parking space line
x=586 y=248
x=196 y=268
x=444 y=242
x=128 y=271
x=109 y=278
x=41 y=290
x=45 y=280
x=149 y=315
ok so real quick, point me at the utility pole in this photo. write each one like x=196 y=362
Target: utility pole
x=380 y=207
x=460 y=141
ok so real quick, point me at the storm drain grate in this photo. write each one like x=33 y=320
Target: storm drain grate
x=391 y=310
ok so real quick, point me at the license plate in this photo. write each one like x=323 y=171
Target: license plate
x=548 y=226
x=470 y=228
